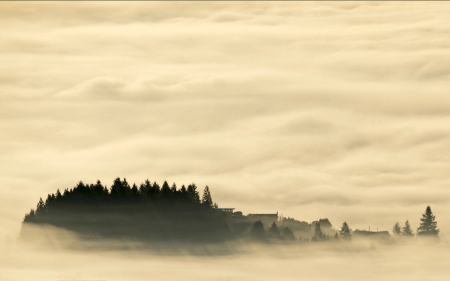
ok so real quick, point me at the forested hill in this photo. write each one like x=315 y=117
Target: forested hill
x=148 y=212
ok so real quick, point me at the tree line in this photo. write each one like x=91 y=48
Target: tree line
x=259 y=233
x=122 y=193
x=427 y=227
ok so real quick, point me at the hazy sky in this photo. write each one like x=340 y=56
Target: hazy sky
x=326 y=109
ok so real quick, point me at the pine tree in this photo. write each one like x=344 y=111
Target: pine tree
x=206 y=199
x=288 y=234
x=336 y=236
x=345 y=232
x=40 y=208
x=428 y=225
x=396 y=230
x=193 y=193
x=406 y=230
x=318 y=234
x=165 y=191
x=274 y=232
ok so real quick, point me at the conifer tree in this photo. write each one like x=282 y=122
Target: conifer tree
x=318 y=234
x=336 y=236
x=40 y=208
x=345 y=232
x=288 y=234
x=165 y=191
x=428 y=224
x=396 y=230
x=406 y=230
x=273 y=231
x=193 y=193
x=207 y=199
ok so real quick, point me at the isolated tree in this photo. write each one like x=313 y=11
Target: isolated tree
x=428 y=224
x=396 y=230
x=345 y=232
x=274 y=232
x=406 y=230
x=258 y=230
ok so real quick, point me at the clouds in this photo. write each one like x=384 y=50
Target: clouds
x=322 y=104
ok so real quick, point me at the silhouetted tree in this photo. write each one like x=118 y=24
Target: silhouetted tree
x=40 y=208
x=207 y=199
x=318 y=234
x=117 y=189
x=336 y=236
x=396 y=230
x=325 y=223
x=345 y=232
x=288 y=234
x=258 y=230
x=274 y=232
x=406 y=230
x=134 y=191
x=193 y=193
x=165 y=191
x=428 y=224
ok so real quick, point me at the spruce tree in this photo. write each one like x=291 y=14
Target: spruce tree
x=345 y=232
x=318 y=234
x=207 y=199
x=336 y=236
x=288 y=234
x=406 y=230
x=428 y=224
x=41 y=208
x=274 y=232
x=396 y=230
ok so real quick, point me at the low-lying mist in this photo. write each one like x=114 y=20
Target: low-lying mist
x=77 y=259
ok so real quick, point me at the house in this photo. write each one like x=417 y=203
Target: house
x=379 y=235
x=225 y=210
x=264 y=218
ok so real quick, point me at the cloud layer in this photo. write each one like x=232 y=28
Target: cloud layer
x=309 y=109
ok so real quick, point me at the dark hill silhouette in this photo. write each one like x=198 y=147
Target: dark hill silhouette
x=149 y=213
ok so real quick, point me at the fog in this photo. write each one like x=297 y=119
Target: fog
x=312 y=110
x=123 y=260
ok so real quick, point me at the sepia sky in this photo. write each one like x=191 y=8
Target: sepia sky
x=326 y=109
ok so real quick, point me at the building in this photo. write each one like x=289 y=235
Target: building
x=225 y=210
x=381 y=235
x=264 y=218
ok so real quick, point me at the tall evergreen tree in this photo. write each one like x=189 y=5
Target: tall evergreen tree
x=318 y=234
x=274 y=232
x=165 y=190
x=428 y=224
x=193 y=193
x=206 y=199
x=396 y=230
x=406 y=230
x=40 y=208
x=288 y=234
x=345 y=232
